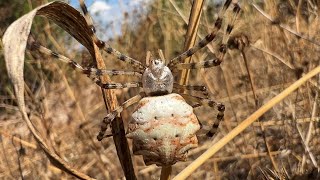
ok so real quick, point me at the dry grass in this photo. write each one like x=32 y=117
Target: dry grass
x=67 y=108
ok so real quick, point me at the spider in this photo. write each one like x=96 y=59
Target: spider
x=163 y=125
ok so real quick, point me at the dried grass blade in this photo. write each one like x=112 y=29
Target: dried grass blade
x=284 y=26
x=190 y=39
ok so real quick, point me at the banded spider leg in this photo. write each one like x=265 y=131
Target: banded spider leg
x=92 y=73
x=106 y=47
x=210 y=103
x=191 y=88
x=108 y=119
x=176 y=63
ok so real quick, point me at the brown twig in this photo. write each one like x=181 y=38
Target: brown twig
x=166 y=172
x=118 y=131
x=243 y=55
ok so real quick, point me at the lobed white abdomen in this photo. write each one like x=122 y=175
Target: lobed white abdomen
x=163 y=129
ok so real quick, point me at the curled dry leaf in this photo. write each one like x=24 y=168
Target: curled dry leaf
x=15 y=41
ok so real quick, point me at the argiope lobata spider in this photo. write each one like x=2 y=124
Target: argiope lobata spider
x=157 y=83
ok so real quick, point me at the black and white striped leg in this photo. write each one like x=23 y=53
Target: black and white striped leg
x=106 y=47
x=135 y=63
x=92 y=73
x=197 y=65
x=118 y=85
x=110 y=117
x=208 y=102
x=220 y=116
x=190 y=88
x=224 y=46
x=89 y=21
x=210 y=37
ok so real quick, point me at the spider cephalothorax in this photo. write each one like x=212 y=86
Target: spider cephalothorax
x=157 y=79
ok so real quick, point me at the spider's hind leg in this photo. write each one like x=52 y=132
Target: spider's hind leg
x=208 y=102
x=220 y=116
x=110 y=117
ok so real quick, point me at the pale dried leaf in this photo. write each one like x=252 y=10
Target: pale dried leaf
x=15 y=41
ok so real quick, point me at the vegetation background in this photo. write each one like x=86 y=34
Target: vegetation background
x=67 y=108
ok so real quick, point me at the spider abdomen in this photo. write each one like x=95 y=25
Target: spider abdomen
x=163 y=129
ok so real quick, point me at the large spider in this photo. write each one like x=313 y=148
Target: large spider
x=163 y=125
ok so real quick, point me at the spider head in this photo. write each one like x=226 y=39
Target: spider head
x=157 y=79
x=156 y=66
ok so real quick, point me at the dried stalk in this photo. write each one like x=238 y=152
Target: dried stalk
x=190 y=39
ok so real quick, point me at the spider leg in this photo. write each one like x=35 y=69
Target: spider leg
x=216 y=61
x=197 y=88
x=197 y=65
x=92 y=73
x=106 y=47
x=208 y=102
x=135 y=63
x=223 y=47
x=109 y=118
x=118 y=85
x=89 y=21
x=210 y=37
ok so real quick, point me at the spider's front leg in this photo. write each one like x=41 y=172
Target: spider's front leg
x=212 y=36
x=92 y=73
x=208 y=102
x=106 y=47
x=110 y=117
x=117 y=85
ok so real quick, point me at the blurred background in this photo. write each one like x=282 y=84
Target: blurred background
x=67 y=108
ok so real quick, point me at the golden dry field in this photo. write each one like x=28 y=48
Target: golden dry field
x=268 y=81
